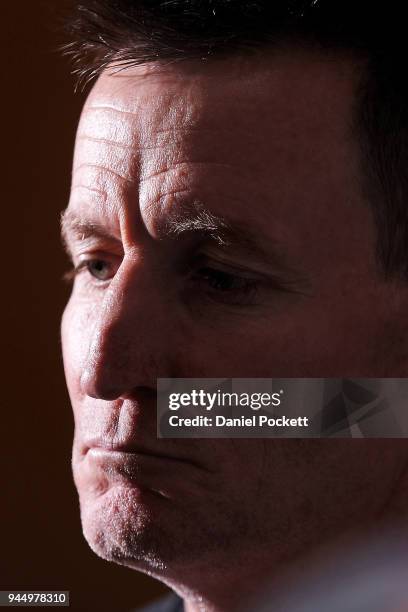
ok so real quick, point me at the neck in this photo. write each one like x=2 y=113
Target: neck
x=228 y=588
x=234 y=587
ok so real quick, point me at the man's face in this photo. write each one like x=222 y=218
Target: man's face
x=218 y=228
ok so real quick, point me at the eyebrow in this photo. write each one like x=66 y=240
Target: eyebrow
x=229 y=233
x=75 y=228
x=193 y=219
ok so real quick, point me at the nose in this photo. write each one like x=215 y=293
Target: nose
x=128 y=344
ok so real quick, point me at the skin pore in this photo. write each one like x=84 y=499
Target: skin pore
x=217 y=228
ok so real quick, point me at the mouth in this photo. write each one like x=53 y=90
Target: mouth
x=124 y=452
x=163 y=475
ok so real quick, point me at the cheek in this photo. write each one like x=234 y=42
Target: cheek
x=249 y=348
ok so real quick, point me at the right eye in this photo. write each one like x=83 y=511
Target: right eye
x=100 y=270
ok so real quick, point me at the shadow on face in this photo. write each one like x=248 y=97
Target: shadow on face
x=217 y=227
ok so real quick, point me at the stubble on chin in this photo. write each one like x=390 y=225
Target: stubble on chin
x=119 y=527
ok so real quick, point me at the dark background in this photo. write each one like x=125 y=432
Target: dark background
x=41 y=544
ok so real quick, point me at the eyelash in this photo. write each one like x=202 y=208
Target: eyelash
x=219 y=284
x=224 y=286
x=84 y=266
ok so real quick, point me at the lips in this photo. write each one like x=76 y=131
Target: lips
x=113 y=450
x=163 y=475
x=102 y=469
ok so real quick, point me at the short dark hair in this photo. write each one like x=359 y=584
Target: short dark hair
x=134 y=32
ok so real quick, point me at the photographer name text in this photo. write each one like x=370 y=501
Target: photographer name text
x=256 y=420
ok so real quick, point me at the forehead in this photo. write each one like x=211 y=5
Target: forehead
x=268 y=101
x=259 y=137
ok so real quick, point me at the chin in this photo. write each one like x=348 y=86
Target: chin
x=119 y=525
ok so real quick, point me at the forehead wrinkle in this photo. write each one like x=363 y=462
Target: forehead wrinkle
x=99 y=192
x=173 y=110
x=158 y=127
x=177 y=166
x=185 y=129
x=101 y=164
x=97 y=129
x=158 y=115
x=105 y=141
x=108 y=107
x=116 y=174
x=94 y=190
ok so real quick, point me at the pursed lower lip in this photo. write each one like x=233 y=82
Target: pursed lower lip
x=116 y=452
x=100 y=468
x=158 y=473
x=111 y=467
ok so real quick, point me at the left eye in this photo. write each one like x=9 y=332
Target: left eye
x=225 y=287
x=223 y=281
